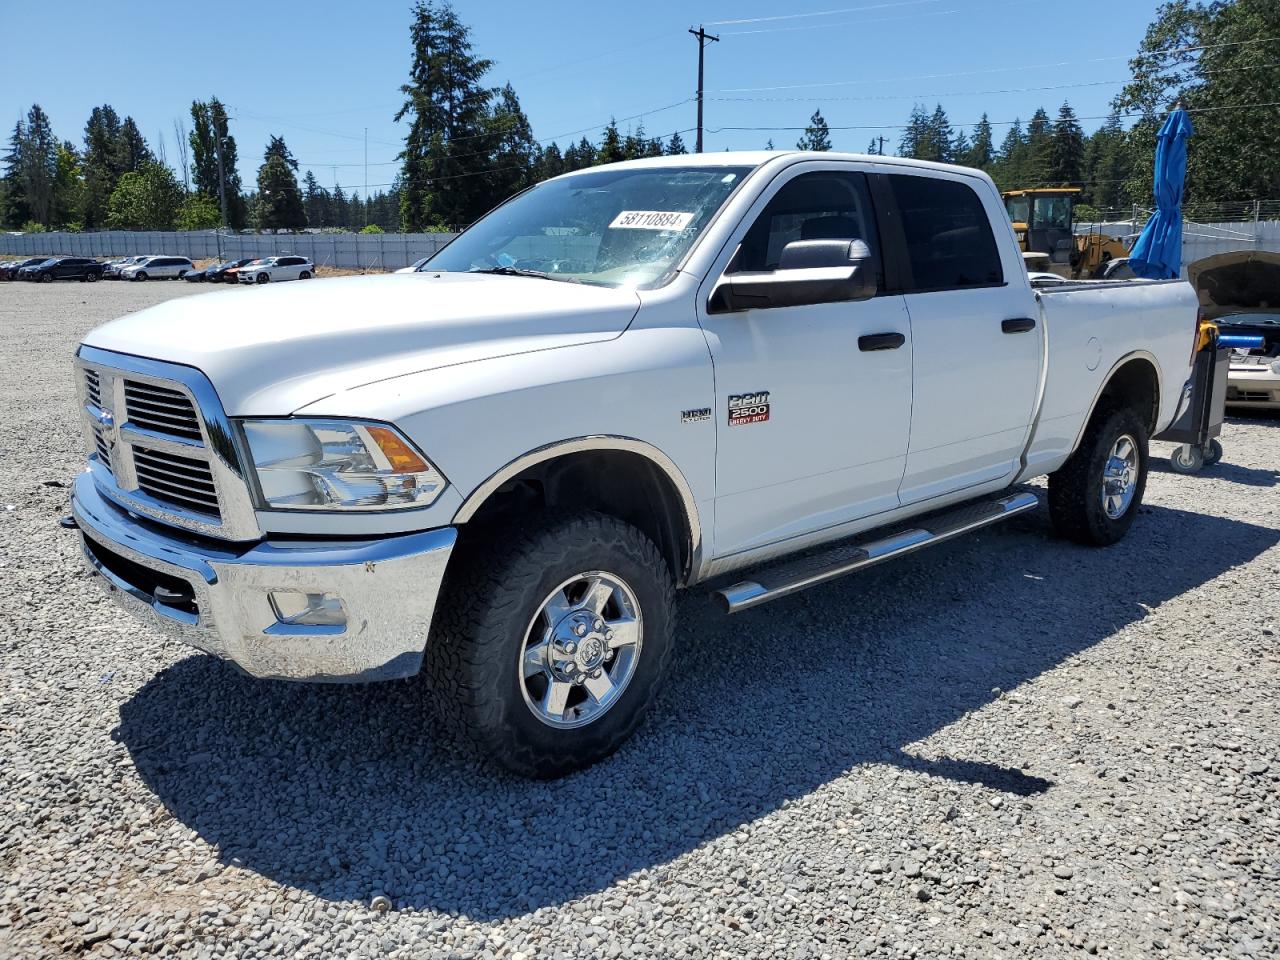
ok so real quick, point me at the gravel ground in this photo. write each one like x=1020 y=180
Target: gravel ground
x=1002 y=747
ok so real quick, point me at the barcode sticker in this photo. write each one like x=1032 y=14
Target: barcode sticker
x=651 y=220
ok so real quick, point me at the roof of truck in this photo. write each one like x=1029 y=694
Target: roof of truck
x=756 y=158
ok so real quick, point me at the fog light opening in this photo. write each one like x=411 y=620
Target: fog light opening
x=296 y=609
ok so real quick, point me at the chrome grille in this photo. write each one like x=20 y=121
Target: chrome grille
x=161 y=409
x=160 y=444
x=182 y=481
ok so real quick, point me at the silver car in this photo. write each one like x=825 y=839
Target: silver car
x=158 y=268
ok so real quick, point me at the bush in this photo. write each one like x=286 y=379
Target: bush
x=32 y=227
x=199 y=212
x=373 y=228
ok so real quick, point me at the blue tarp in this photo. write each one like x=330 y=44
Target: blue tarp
x=1158 y=253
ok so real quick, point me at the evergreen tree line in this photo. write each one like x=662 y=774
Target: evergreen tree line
x=469 y=145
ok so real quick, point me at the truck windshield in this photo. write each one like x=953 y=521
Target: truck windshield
x=615 y=228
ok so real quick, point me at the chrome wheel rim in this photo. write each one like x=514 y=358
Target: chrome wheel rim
x=581 y=649
x=1120 y=477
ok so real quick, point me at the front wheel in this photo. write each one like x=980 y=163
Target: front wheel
x=92 y=277
x=550 y=645
x=46 y=278
x=1187 y=459
x=263 y=278
x=1094 y=496
x=140 y=276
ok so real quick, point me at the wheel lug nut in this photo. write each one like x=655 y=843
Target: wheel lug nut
x=595 y=674
x=580 y=629
x=599 y=624
x=570 y=647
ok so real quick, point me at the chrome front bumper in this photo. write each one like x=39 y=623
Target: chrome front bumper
x=388 y=588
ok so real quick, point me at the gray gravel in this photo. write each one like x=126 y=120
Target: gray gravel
x=1005 y=746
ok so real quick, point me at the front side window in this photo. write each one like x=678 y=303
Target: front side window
x=813 y=206
x=610 y=227
x=948 y=234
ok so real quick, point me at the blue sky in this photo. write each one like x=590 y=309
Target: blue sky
x=321 y=71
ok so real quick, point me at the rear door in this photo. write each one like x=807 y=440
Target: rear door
x=975 y=338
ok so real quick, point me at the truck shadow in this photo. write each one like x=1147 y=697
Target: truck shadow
x=344 y=791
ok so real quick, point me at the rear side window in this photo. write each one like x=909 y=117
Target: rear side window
x=950 y=245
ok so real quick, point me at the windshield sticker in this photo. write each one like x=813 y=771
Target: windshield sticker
x=651 y=220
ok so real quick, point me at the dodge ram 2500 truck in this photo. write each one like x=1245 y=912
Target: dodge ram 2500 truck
x=622 y=381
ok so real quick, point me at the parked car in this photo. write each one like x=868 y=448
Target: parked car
x=158 y=268
x=274 y=269
x=9 y=270
x=1240 y=292
x=217 y=272
x=113 y=268
x=63 y=268
x=736 y=359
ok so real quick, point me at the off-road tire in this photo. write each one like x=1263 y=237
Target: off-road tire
x=493 y=590
x=1075 y=489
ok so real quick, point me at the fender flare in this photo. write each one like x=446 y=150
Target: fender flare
x=601 y=442
x=1106 y=382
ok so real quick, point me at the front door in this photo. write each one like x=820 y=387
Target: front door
x=813 y=413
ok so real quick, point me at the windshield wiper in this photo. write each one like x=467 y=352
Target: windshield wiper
x=521 y=272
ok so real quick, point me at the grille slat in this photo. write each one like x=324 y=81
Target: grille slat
x=169 y=477
x=160 y=409
x=93 y=387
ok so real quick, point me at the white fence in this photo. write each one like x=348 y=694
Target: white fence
x=1200 y=240
x=350 y=250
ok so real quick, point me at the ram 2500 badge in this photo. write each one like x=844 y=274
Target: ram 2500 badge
x=621 y=382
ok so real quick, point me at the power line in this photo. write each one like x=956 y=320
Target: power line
x=974 y=73
x=820 y=13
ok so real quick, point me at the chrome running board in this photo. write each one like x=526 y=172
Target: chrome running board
x=780 y=580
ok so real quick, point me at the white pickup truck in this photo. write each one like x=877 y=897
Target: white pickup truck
x=623 y=381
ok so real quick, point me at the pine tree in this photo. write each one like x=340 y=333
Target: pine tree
x=514 y=149
x=132 y=152
x=981 y=151
x=1009 y=168
x=208 y=123
x=940 y=136
x=611 y=148
x=1066 y=151
x=917 y=138
x=68 y=189
x=101 y=172
x=444 y=157
x=1039 y=157
x=817 y=135
x=16 y=210
x=675 y=146
x=279 y=200
x=340 y=209
x=873 y=148
x=39 y=164
x=315 y=201
x=551 y=162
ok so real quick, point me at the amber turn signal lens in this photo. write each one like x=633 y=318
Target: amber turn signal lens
x=399 y=454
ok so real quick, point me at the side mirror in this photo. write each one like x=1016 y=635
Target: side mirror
x=809 y=272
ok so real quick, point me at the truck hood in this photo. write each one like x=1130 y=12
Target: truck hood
x=1239 y=282
x=270 y=350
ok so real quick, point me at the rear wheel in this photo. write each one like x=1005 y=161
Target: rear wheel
x=1094 y=496
x=304 y=275
x=550 y=644
x=140 y=276
x=1187 y=459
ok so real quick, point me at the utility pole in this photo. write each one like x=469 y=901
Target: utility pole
x=222 y=186
x=881 y=139
x=366 y=176
x=703 y=37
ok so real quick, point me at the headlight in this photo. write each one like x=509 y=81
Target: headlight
x=339 y=465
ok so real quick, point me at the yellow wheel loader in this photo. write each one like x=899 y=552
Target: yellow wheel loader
x=1044 y=221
